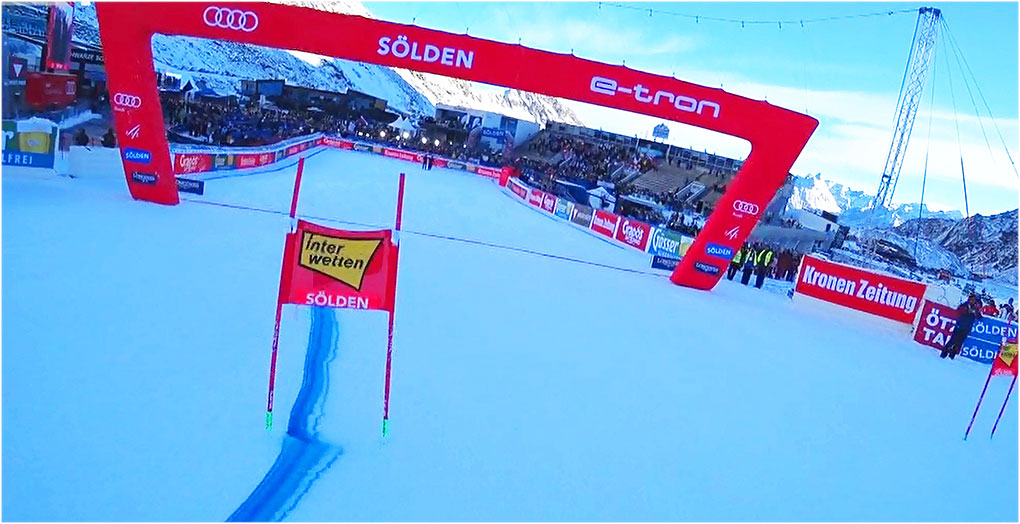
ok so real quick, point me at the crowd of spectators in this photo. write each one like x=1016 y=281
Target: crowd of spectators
x=232 y=124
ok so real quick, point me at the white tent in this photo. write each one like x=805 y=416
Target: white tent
x=600 y=198
x=402 y=124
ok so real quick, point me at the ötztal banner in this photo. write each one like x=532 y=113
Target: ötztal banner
x=337 y=268
x=881 y=295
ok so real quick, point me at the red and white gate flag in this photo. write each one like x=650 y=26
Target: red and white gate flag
x=336 y=268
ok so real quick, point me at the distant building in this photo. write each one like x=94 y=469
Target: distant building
x=475 y=127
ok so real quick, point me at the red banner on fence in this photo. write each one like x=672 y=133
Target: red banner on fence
x=489 y=172
x=549 y=202
x=518 y=189
x=336 y=142
x=634 y=233
x=401 y=155
x=855 y=288
x=936 y=325
x=337 y=268
x=605 y=223
x=246 y=160
x=536 y=197
x=193 y=163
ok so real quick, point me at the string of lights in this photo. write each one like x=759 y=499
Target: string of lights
x=742 y=22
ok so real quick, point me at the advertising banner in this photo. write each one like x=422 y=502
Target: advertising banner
x=58 y=35
x=401 y=155
x=246 y=160
x=536 y=197
x=223 y=161
x=454 y=164
x=548 y=203
x=667 y=263
x=882 y=295
x=938 y=321
x=582 y=215
x=605 y=223
x=563 y=208
x=634 y=233
x=666 y=243
x=29 y=143
x=192 y=163
x=187 y=185
x=489 y=172
x=336 y=268
x=518 y=189
x=363 y=147
x=336 y=142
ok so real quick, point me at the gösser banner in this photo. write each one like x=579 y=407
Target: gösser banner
x=881 y=295
x=777 y=135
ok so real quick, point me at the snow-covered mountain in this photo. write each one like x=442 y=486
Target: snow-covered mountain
x=982 y=246
x=222 y=65
x=854 y=207
x=986 y=245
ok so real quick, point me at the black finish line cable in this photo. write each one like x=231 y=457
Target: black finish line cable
x=431 y=235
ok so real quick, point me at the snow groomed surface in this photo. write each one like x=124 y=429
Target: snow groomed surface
x=525 y=387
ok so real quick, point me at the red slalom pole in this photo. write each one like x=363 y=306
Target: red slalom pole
x=1004 y=402
x=976 y=408
x=279 y=295
x=297 y=190
x=393 y=308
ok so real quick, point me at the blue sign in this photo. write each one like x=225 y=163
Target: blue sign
x=187 y=185
x=137 y=155
x=716 y=250
x=666 y=263
x=17 y=158
x=144 y=178
x=708 y=269
x=985 y=337
x=493 y=132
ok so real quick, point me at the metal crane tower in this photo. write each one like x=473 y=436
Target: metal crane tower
x=910 y=96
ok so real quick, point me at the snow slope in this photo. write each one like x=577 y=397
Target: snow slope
x=525 y=387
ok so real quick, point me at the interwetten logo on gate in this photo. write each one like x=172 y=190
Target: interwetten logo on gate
x=343 y=259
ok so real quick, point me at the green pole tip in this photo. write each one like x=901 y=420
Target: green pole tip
x=269 y=420
x=385 y=426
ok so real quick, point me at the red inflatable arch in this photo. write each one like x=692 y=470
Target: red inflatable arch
x=777 y=135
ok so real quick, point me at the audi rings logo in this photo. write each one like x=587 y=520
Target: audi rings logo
x=742 y=206
x=234 y=19
x=126 y=100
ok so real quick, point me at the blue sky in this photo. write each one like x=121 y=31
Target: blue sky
x=846 y=73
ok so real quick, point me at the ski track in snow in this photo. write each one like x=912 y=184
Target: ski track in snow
x=303 y=457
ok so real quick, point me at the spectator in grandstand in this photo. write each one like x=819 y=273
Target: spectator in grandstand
x=968 y=313
x=763 y=259
x=109 y=139
x=750 y=255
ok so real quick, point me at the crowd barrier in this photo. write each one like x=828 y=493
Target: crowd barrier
x=628 y=232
